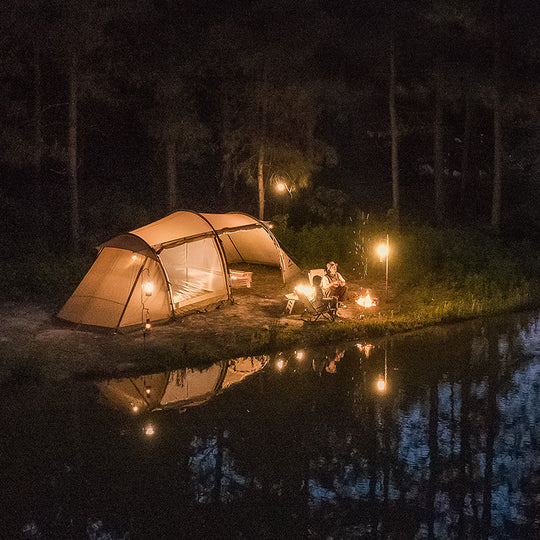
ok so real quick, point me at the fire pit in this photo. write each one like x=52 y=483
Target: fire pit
x=366 y=301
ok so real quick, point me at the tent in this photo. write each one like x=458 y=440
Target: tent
x=185 y=387
x=174 y=265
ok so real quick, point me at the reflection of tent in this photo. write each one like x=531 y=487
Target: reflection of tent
x=180 y=388
x=177 y=264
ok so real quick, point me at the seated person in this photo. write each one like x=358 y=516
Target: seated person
x=333 y=283
x=321 y=299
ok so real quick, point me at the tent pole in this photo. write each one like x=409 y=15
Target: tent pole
x=167 y=283
x=234 y=246
x=224 y=263
x=131 y=293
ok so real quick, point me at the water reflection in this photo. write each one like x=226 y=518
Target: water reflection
x=306 y=446
x=181 y=388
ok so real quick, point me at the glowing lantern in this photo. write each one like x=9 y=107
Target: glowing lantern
x=381 y=385
x=280 y=364
x=282 y=187
x=382 y=251
x=148 y=288
x=149 y=430
x=300 y=355
x=147 y=326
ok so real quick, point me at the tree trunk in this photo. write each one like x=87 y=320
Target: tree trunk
x=171 y=174
x=465 y=152
x=497 y=125
x=260 y=180
x=226 y=156
x=72 y=155
x=394 y=131
x=262 y=146
x=438 y=155
x=38 y=136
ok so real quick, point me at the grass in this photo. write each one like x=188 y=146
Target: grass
x=436 y=277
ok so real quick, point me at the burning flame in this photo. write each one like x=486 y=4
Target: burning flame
x=306 y=289
x=366 y=301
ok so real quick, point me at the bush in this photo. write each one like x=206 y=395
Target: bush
x=472 y=260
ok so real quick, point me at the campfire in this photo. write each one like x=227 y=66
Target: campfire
x=366 y=301
x=306 y=289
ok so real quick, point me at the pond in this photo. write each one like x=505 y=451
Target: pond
x=433 y=434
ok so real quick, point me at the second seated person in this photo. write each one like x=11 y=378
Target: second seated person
x=333 y=284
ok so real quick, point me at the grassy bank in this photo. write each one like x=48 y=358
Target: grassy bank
x=435 y=277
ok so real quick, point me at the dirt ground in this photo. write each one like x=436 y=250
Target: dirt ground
x=31 y=339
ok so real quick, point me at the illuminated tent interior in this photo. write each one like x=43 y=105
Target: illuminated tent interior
x=174 y=265
x=181 y=388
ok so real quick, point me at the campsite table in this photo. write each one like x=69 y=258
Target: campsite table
x=240 y=279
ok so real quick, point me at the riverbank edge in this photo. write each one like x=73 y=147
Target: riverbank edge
x=88 y=355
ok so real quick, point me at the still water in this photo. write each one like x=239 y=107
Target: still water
x=429 y=435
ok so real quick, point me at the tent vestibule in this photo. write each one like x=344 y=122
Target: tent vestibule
x=174 y=265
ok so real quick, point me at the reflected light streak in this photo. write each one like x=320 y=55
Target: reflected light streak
x=365 y=348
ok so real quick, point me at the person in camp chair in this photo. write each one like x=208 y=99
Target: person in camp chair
x=333 y=284
x=321 y=300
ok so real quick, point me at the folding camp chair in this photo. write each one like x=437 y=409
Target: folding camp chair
x=312 y=313
x=315 y=272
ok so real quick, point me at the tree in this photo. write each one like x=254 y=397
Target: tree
x=272 y=99
x=79 y=30
x=497 y=122
x=394 y=129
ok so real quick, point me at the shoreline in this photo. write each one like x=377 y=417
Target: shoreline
x=35 y=347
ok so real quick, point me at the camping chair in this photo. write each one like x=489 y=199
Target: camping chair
x=315 y=272
x=311 y=313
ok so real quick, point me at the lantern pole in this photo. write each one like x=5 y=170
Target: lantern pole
x=387 y=252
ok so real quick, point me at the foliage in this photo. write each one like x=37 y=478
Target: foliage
x=463 y=259
x=42 y=277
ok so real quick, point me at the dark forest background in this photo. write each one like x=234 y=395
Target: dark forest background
x=114 y=113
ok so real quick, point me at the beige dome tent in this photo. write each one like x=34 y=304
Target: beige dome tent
x=174 y=265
